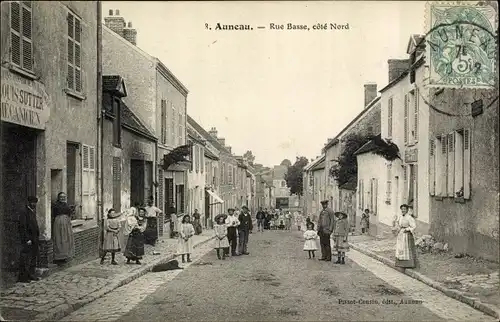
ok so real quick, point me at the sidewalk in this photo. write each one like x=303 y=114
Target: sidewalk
x=66 y=291
x=469 y=280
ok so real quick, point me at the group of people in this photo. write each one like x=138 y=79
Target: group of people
x=232 y=232
x=278 y=219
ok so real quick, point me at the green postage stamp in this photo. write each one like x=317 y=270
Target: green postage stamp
x=461 y=44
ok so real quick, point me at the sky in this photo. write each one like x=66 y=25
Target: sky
x=279 y=93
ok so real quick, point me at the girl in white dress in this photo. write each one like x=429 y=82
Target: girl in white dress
x=311 y=240
x=185 y=244
x=221 y=242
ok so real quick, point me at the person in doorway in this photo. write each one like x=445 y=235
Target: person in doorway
x=111 y=242
x=135 y=227
x=232 y=223
x=340 y=235
x=62 y=230
x=197 y=222
x=185 y=244
x=260 y=220
x=244 y=230
x=326 y=225
x=406 y=252
x=151 y=232
x=221 y=242
x=311 y=240
x=365 y=221
x=29 y=233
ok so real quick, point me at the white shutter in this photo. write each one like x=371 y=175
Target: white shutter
x=415 y=120
x=467 y=163
x=405 y=182
x=406 y=120
x=432 y=167
x=375 y=196
x=389 y=119
x=444 y=165
x=451 y=165
x=388 y=194
x=459 y=163
x=21 y=40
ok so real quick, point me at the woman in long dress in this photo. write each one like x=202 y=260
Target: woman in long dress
x=135 y=227
x=197 y=222
x=151 y=233
x=62 y=230
x=406 y=252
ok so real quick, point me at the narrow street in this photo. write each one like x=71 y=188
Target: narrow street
x=276 y=282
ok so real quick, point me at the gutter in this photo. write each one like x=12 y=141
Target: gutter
x=100 y=127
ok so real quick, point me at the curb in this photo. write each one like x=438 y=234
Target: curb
x=63 y=310
x=457 y=295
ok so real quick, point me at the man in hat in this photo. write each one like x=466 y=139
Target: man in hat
x=29 y=234
x=244 y=229
x=232 y=223
x=326 y=225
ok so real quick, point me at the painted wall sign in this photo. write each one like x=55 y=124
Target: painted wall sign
x=23 y=101
x=411 y=155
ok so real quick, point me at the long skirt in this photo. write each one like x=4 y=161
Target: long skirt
x=221 y=243
x=185 y=246
x=341 y=246
x=135 y=246
x=111 y=242
x=412 y=262
x=63 y=239
x=151 y=232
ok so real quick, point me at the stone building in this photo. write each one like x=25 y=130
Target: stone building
x=49 y=117
x=159 y=100
x=196 y=174
x=313 y=186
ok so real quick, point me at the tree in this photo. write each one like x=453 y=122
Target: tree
x=249 y=156
x=293 y=176
x=286 y=162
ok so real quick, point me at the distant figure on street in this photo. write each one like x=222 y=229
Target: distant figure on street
x=406 y=253
x=244 y=230
x=185 y=241
x=151 y=233
x=299 y=220
x=326 y=225
x=197 y=222
x=221 y=242
x=311 y=240
x=232 y=223
x=29 y=234
x=340 y=235
x=260 y=220
x=365 y=221
x=267 y=220
x=111 y=242
x=288 y=220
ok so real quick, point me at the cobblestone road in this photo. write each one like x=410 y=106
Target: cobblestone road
x=276 y=283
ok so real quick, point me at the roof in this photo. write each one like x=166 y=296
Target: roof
x=210 y=155
x=279 y=172
x=368 y=146
x=414 y=42
x=130 y=120
x=417 y=64
x=312 y=164
x=351 y=184
x=319 y=166
x=205 y=134
x=360 y=115
x=171 y=77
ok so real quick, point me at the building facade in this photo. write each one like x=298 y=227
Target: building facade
x=49 y=119
x=313 y=186
x=196 y=174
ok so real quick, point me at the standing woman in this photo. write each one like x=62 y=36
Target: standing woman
x=197 y=222
x=134 y=228
x=62 y=231
x=406 y=252
x=151 y=233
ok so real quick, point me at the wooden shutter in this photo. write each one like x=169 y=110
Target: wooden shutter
x=117 y=175
x=163 y=121
x=405 y=182
x=459 y=163
x=444 y=165
x=467 y=163
x=191 y=155
x=88 y=181
x=406 y=120
x=202 y=160
x=389 y=119
x=415 y=120
x=375 y=196
x=74 y=77
x=451 y=165
x=432 y=167
x=21 y=39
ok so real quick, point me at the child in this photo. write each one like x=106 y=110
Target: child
x=111 y=242
x=310 y=244
x=365 y=221
x=221 y=241
x=340 y=234
x=185 y=244
x=136 y=225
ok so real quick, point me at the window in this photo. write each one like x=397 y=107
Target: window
x=88 y=181
x=222 y=174
x=374 y=195
x=441 y=165
x=283 y=184
x=117 y=123
x=21 y=40
x=117 y=179
x=234 y=175
x=197 y=158
x=406 y=120
x=311 y=179
x=405 y=181
x=415 y=115
x=74 y=76
x=360 y=194
x=230 y=174
x=202 y=157
x=180 y=134
x=389 y=118
x=388 y=193
x=191 y=147
x=451 y=166
x=163 y=121
x=432 y=167
x=171 y=139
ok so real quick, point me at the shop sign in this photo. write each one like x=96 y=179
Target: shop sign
x=23 y=101
x=411 y=155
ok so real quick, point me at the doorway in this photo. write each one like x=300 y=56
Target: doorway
x=71 y=172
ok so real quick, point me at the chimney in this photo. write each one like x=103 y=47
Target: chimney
x=397 y=67
x=229 y=149
x=213 y=132
x=115 y=23
x=130 y=34
x=221 y=141
x=370 y=92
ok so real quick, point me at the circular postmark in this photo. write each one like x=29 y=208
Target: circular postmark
x=461 y=45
